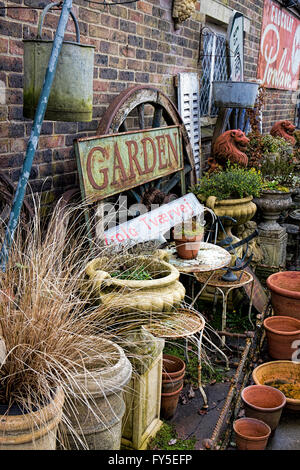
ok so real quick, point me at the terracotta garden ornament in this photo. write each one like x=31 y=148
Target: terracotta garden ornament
x=284 y=129
x=231 y=146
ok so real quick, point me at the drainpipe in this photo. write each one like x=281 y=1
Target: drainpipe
x=35 y=133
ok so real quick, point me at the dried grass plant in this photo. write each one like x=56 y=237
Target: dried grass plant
x=47 y=328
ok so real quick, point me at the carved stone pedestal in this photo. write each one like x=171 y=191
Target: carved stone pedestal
x=273 y=244
x=143 y=396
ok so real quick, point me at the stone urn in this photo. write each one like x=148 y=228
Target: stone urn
x=242 y=210
x=161 y=293
x=96 y=415
x=272 y=203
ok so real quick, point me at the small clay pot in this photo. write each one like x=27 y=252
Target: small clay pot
x=172 y=374
x=251 y=434
x=264 y=403
x=169 y=402
x=281 y=332
x=172 y=384
x=188 y=247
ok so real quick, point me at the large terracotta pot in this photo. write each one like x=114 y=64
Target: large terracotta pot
x=272 y=203
x=251 y=434
x=282 y=332
x=161 y=294
x=285 y=293
x=32 y=431
x=264 y=403
x=279 y=372
x=242 y=210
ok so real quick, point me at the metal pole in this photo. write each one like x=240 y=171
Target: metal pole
x=35 y=133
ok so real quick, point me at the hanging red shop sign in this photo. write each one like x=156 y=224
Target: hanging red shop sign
x=279 y=58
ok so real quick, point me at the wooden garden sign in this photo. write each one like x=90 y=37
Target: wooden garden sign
x=113 y=163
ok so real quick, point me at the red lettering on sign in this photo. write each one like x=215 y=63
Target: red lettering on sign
x=171 y=147
x=146 y=156
x=133 y=158
x=103 y=171
x=161 y=151
x=118 y=165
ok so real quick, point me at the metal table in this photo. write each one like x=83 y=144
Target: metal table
x=224 y=288
x=183 y=323
x=210 y=258
x=187 y=323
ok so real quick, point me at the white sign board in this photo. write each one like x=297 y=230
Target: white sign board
x=235 y=39
x=154 y=224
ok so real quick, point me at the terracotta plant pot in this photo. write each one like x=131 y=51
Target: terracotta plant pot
x=169 y=402
x=188 y=247
x=251 y=434
x=285 y=293
x=172 y=384
x=264 y=403
x=281 y=333
x=172 y=374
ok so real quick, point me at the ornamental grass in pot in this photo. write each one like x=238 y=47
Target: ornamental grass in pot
x=47 y=335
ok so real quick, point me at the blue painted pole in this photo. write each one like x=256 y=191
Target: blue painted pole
x=35 y=133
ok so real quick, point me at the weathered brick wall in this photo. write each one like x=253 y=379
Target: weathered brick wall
x=134 y=44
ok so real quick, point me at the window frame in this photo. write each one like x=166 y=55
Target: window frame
x=216 y=30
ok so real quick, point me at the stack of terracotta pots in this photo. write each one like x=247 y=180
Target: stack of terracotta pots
x=263 y=408
x=172 y=384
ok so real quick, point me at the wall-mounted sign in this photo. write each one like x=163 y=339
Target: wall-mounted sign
x=155 y=224
x=235 y=40
x=114 y=163
x=279 y=58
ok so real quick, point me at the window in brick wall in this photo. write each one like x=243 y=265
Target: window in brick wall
x=213 y=66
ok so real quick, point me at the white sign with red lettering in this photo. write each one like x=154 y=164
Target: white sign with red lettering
x=279 y=58
x=154 y=224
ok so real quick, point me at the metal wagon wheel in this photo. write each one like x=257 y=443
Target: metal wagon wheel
x=144 y=107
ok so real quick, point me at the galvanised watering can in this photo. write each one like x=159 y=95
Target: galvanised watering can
x=71 y=97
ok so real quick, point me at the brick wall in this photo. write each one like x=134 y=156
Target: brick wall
x=134 y=44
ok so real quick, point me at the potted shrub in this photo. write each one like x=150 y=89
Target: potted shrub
x=277 y=173
x=230 y=192
x=188 y=237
